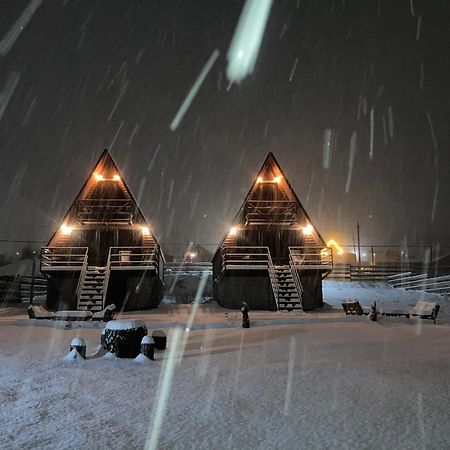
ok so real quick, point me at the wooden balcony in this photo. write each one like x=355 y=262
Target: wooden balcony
x=245 y=258
x=311 y=258
x=63 y=258
x=134 y=258
x=93 y=211
x=271 y=212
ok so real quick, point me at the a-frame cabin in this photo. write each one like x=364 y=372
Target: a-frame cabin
x=273 y=257
x=104 y=250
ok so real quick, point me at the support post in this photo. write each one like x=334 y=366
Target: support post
x=358 y=226
x=33 y=275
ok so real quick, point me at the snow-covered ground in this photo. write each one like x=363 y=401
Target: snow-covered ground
x=293 y=380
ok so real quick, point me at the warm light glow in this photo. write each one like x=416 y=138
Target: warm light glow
x=191 y=255
x=66 y=230
x=98 y=176
x=233 y=231
x=333 y=243
x=146 y=231
x=277 y=179
x=116 y=178
x=308 y=230
x=259 y=180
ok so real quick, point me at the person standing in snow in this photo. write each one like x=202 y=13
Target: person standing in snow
x=245 y=317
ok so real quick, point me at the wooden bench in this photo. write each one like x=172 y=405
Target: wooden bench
x=352 y=308
x=422 y=310
x=105 y=314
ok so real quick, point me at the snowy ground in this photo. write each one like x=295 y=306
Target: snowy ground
x=294 y=380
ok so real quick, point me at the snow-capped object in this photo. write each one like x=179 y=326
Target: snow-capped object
x=147 y=340
x=124 y=324
x=142 y=359
x=73 y=355
x=78 y=342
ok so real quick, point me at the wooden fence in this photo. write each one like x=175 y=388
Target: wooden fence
x=346 y=272
x=21 y=288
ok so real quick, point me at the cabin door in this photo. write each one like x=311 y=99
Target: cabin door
x=108 y=239
x=99 y=243
x=278 y=244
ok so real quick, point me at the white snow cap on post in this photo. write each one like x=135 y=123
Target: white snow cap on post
x=147 y=340
x=78 y=342
x=159 y=333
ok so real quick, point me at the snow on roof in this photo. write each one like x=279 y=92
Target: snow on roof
x=124 y=324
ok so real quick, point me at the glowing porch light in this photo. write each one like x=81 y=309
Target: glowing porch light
x=116 y=178
x=308 y=230
x=98 y=176
x=145 y=231
x=259 y=180
x=233 y=231
x=66 y=230
x=191 y=255
x=333 y=243
x=277 y=179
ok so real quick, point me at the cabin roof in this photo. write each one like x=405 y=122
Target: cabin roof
x=271 y=168
x=110 y=188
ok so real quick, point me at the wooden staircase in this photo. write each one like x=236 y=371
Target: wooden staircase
x=63 y=240
x=91 y=292
x=230 y=241
x=309 y=241
x=148 y=240
x=288 y=296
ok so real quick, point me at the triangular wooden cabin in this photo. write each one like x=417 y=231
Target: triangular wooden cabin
x=273 y=257
x=104 y=250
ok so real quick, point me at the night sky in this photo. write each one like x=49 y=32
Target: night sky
x=112 y=74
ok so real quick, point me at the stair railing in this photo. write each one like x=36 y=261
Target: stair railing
x=296 y=278
x=82 y=277
x=272 y=276
x=106 y=279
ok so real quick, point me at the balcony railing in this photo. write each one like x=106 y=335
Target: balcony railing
x=92 y=211
x=134 y=258
x=240 y=257
x=63 y=258
x=263 y=212
x=311 y=258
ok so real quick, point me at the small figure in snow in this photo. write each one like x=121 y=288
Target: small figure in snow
x=373 y=313
x=245 y=317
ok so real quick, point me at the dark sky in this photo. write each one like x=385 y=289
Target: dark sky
x=76 y=58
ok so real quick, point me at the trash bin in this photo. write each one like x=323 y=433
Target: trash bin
x=123 y=337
